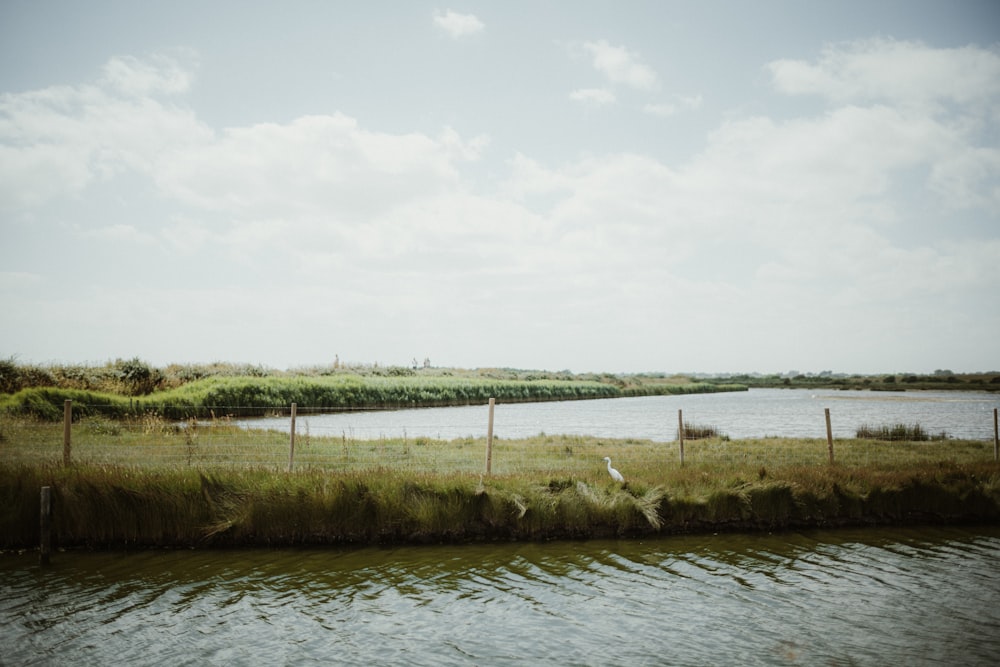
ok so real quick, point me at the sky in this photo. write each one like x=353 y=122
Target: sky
x=624 y=187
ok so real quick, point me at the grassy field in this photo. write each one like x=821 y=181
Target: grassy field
x=149 y=482
x=150 y=441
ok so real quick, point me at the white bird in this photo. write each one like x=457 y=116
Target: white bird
x=615 y=475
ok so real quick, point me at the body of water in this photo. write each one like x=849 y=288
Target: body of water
x=749 y=414
x=886 y=597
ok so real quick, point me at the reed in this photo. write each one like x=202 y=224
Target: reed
x=897 y=433
x=128 y=507
x=254 y=396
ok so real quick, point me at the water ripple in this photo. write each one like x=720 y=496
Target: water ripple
x=852 y=597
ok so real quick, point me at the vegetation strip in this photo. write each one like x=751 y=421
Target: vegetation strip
x=121 y=507
x=244 y=396
x=149 y=482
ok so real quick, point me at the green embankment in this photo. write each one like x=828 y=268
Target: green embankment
x=243 y=396
x=139 y=479
x=109 y=507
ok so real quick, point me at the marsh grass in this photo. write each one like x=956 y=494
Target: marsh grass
x=146 y=481
x=897 y=433
x=700 y=432
x=152 y=442
x=209 y=397
x=104 y=506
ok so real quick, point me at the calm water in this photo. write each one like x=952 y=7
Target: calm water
x=891 y=597
x=750 y=414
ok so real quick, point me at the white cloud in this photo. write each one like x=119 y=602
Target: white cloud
x=841 y=156
x=666 y=109
x=927 y=106
x=890 y=70
x=598 y=96
x=119 y=233
x=691 y=101
x=528 y=177
x=325 y=164
x=58 y=140
x=799 y=209
x=138 y=78
x=969 y=178
x=622 y=66
x=458 y=25
x=463 y=150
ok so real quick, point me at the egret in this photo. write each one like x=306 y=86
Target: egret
x=615 y=475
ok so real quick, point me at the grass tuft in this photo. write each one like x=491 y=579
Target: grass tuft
x=698 y=432
x=897 y=433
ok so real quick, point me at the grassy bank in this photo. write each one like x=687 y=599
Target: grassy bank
x=144 y=482
x=251 y=396
x=120 y=507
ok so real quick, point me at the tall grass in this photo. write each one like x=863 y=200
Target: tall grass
x=103 y=506
x=247 y=396
x=897 y=432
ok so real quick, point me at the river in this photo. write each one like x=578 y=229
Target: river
x=852 y=597
x=747 y=414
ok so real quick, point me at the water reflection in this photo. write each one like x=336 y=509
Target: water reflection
x=855 y=597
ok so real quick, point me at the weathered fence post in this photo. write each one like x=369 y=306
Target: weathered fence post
x=489 y=438
x=996 y=437
x=45 y=524
x=829 y=433
x=680 y=432
x=291 y=440
x=67 y=420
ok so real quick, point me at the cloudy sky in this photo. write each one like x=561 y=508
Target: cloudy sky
x=592 y=186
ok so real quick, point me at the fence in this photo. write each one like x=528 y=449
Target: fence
x=153 y=441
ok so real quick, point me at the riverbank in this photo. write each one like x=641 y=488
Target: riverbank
x=116 y=507
x=257 y=396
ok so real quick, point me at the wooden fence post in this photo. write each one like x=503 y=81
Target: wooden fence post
x=291 y=440
x=67 y=420
x=45 y=525
x=829 y=433
x=996 y=437
x=489 y=438
x=680 y=432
